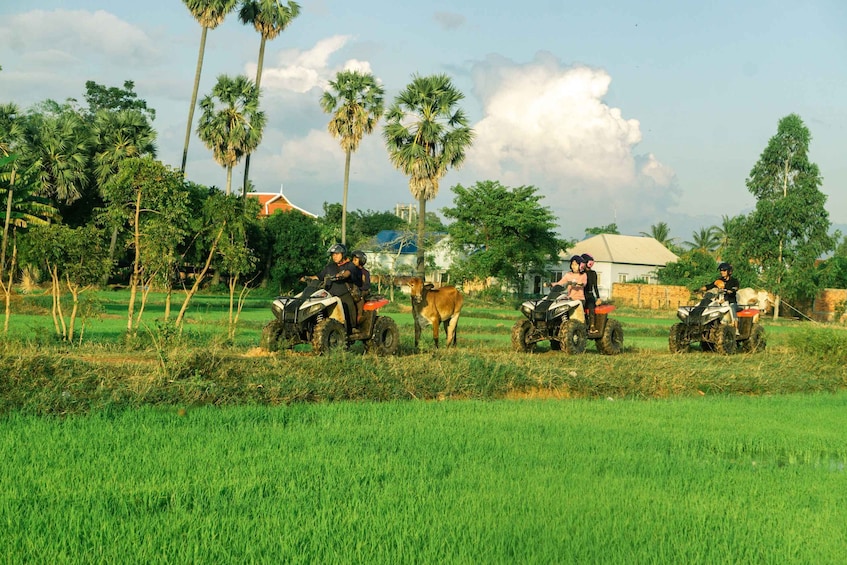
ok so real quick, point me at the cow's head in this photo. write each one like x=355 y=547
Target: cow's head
x=416 y=289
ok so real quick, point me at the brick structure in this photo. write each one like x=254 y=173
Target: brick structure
x=654 y=296
x=828 y=304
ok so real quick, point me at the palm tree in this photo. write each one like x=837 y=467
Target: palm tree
x=232 y=126
x=12 y=135
x=426 y=133
x=356 y=105
x=704 y=240
x=210 y=14
x=269 y=18
x=661 y=233
x=120 y=135
x=726 y=232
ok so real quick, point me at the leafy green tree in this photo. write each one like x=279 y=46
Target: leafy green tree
x=148 y=197
x=426 y=133
x=296 y=250
x=269 y=18
x=705 y=239
x=504 y=232
x=600 y=230
x=209 y=14
x=355 y=100
x=114 y=99
x=832 y=273
x=236 y=259
x=727 y=233
x=662 y=233
x=231 y=124
x=693 y=269
x=789 y=228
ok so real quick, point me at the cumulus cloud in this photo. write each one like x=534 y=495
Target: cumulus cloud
x=547 y=124
x=76 y=36
x=449 y=20
x=300 y=71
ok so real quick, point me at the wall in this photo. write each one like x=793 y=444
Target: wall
x=655 y=296
x=827 y=303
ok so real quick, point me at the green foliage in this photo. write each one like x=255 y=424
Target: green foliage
x=114 y=99
x=788 y=230
x=503 y=232
x=600 y=230
x=297 y=248
x=693 y=269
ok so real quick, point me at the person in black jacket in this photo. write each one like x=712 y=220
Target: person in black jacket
x=343 y=275
x=592 y=293
x=730 y=285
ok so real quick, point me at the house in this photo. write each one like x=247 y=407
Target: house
x=395 y=253
x=617 y=258
x=271 y=202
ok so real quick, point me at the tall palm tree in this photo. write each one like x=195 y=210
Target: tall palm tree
x=704 y=240
x=269 y=18
x=11 y=136
x=231 y=124
x=726 y=232
x=661 y=233
x=426 y=133
x=356 y=104
x=209 y=14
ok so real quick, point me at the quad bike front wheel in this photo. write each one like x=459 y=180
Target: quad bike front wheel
x=520 y=332
x=678 y=341
x=270 y=336
x=573 y=336
x=386 y=337
x=725 y=340
x=756 y=342
x=611 y=342
x=329 y=336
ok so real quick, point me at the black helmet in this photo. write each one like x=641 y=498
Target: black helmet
x=586 y=257
x=725 y=267
x=360 y=255
x=338 y=248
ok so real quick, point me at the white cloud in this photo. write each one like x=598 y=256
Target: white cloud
x=548 y=125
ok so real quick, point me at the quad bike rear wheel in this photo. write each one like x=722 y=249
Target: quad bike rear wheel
x=725 y=340
x=756 y=342
x=520 y=331
x=677 y=340
x=329 y=336
x=386 y=337
x=611 y=342
x=573 y=336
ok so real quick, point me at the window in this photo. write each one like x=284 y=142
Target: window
x=621 y=277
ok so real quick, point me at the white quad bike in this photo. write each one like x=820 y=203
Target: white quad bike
x=710 y=323
x=561 y=320
x=315 y=316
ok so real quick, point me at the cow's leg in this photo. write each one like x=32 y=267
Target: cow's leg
x=436 y=328
x=451 y=328
x=417 y=332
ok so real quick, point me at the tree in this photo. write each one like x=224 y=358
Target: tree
x=355 y=101
x=726 y=233
x=504 y=232
x=661 y=233
x=600 y=230
x=693 y=269
x=112 y=98
x=426 y=134
x=789 y=228
x=296 y=248
x=269 y=18
x=231 y=124
x=209 y=14
x=703 y=240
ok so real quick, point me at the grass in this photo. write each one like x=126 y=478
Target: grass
x=689 y=480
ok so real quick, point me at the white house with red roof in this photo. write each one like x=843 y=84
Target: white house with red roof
x=272 y=201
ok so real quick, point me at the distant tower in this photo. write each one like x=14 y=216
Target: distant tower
x=406 y=212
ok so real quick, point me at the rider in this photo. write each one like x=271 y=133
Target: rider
x=592 y=293
x=574 y=280
x=730 y=285
x=343 y=275
x=359 y=259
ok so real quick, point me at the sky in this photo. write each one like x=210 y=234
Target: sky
x=617 y=111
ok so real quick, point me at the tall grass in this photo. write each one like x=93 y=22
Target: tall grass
x=733 y=479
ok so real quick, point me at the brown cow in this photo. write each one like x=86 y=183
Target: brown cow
x=434 y=306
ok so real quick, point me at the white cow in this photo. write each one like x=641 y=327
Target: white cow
x=760 y=299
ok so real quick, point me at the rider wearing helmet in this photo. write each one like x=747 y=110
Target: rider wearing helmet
x=730 y=285
x=343 y=275
x=359 y=259
x=592 y=293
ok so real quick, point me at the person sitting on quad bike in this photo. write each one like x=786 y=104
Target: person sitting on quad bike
x=574 y=281
x=729 y=285
x=592 y=293
x=359 y=259
x=344 y=277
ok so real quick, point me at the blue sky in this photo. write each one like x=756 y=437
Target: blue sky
x=618 y=111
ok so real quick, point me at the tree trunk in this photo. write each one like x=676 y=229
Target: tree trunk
x=199 y=278
x=421 y=267
x=9 y=289
x=194 y=98
x=136 y=264
x=228 y=180
x=344 y=197
x=258 y=83
x=7 y=222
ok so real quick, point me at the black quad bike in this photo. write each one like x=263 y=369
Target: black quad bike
x=710 y=323
x=317 y=317
x=561 y=320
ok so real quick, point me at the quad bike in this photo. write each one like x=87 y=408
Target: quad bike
x=561 y=320
x=710 y=323
x=317 y=317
